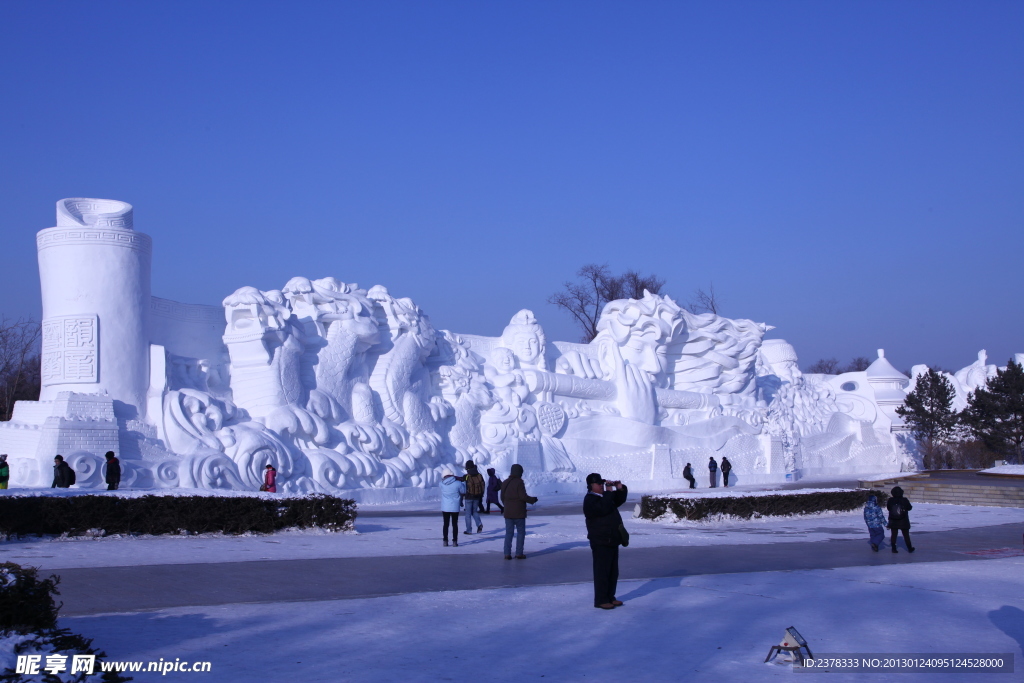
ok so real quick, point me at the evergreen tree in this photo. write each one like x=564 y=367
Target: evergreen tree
x=995 y=412
x=928 y=411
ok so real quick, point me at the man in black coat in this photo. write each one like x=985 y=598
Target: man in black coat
x=113 y=477
x=726 y=469
x=899 y=517
x=63 y=476
x=688 y=476
x=604 y=530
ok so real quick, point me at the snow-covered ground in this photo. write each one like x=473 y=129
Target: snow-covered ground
x=703 y=628
x=419 y=535
x=1006 y=469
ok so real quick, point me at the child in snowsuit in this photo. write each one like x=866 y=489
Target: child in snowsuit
x=875 y=519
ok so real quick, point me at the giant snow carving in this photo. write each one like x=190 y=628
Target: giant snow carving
x=343 y=388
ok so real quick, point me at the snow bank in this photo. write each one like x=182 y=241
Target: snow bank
x=1017 y=470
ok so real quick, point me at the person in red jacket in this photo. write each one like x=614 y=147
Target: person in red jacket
x=270 y=479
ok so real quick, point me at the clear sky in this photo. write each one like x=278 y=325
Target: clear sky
x=850 y=172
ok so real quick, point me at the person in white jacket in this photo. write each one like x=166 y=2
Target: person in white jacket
x=452 y=491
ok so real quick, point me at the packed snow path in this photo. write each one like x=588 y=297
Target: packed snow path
x=125 y=589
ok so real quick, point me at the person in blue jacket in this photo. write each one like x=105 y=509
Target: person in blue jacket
x=452 y=491
x=875 y=519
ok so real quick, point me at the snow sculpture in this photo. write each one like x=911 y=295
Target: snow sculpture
x=350 y=389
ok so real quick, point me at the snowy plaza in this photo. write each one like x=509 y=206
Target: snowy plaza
x=704 y=600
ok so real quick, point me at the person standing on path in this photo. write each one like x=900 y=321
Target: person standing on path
x=5 y=471
x=113 y=475
x=875 y=519
x=269 y=479
x=713 y=470
x=726 y=469
x=688 y=476
x=452 y=491
x=515 y=498
x=493 y=489
x=63 y=475
x=606 y=533
x=899 y=517
x=474 y=497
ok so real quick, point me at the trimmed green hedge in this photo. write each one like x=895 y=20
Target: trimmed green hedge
x=745 y=507
x=154 y=514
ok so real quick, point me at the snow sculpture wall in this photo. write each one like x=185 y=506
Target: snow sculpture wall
x=344 y=388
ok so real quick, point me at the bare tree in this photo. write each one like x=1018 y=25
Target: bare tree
x=19 y=363
x=704 y=301
x=825 y=366
x=596 y=286
x=858 y=364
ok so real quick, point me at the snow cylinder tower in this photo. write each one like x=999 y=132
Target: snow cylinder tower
x=94 y=272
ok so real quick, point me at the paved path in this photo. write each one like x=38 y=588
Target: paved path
x=127 y=589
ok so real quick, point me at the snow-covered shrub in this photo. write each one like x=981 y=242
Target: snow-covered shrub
x=168 y=514
x=745 y=507
x=28 y=618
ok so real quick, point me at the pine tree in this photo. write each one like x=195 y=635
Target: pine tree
x=928 y=411
x=995 y=412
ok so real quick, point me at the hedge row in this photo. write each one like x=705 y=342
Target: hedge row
x=745 y=507
x=77 y=515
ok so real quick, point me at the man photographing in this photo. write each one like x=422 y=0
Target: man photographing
x=606 y=533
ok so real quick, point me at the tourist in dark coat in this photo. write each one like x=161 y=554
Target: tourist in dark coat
x=113 y=476
x=5 y=471
x=605 y=533
x=713 y=471
x=493 y=491
x=899 y=517
x=515 y=498
x=688 y=476
x=63 y=475
x=726 y=469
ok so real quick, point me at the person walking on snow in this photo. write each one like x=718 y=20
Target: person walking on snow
x=726 y=469
x=899 y=517
x=606 y=533
x=713 y=470
x=113 y=475
x=474 y=497
x=875 y=519
x=515 y=498
x=5 y=471
x=493 y=489
x=63 y=475
x=269 y=479
x=452 y=491
x=688 y=476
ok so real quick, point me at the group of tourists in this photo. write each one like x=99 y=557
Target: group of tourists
x=467 y=492
x=605 y=529
x=712 y=473
x=899 y=509
x=64 y=476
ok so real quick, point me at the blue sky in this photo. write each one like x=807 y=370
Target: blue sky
x=851 y=173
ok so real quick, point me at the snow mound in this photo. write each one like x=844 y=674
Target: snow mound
x=1006 y=469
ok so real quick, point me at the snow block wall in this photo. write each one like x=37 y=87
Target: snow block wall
x=344 y=388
